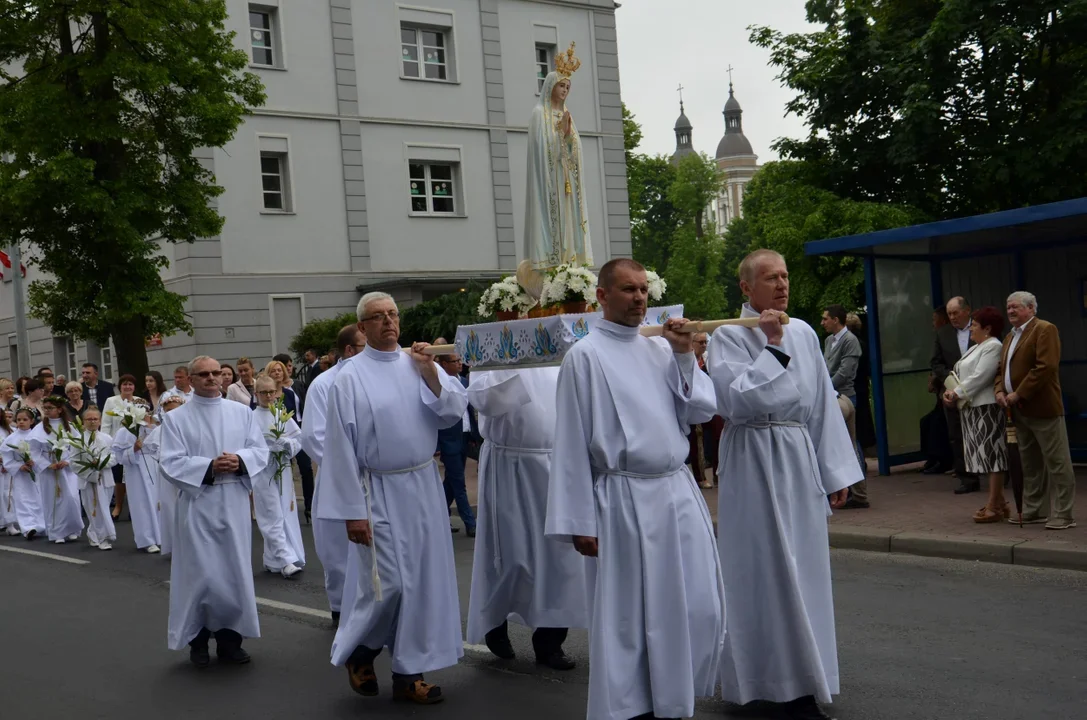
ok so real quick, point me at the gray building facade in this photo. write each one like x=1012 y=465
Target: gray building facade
x=390 y=154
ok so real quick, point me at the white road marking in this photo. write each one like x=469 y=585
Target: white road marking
x=469 y=647
x=289 y=607
x=50 y=556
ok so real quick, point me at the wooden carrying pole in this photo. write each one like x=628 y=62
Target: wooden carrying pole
x=692 y=326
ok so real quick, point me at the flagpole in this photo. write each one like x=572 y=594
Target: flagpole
x=22 y=338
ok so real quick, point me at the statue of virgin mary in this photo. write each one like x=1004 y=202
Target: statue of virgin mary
x=556 y=216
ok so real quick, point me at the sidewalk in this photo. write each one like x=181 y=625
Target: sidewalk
x=920 y=515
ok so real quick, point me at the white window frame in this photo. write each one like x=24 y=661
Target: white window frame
x=286 y=173
x=275 y=36
x=549 y=64
x=455 y=181
x=425 y=19
x=106 y=367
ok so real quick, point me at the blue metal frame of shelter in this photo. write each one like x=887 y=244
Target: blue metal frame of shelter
x=1040 y=226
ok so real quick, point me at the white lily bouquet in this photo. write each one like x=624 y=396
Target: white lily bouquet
x=88 y=456
x=281 y=456
x=569 y=284
x=506 y=297
x=132 y=417
x=657 y=286
x=23 y=449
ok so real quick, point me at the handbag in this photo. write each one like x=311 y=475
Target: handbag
x=951 y=382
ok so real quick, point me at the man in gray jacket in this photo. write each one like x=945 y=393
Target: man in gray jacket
x=842 y=352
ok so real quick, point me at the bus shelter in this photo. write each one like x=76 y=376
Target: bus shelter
x=910 y=271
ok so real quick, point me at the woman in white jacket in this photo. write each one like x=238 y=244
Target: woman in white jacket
x=982 y=418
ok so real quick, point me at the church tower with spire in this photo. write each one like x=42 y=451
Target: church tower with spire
x=737 y=162
x=684 y=144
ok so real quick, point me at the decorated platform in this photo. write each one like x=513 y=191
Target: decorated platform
x=535 y=341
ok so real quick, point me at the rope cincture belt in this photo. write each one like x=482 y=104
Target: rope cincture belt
x=767 y=424
x=597 y=472
x=367 y=490
x=492 y=493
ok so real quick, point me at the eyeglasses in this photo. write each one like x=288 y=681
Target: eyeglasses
x=267 y=393
x=378 y=317
x=208 y=373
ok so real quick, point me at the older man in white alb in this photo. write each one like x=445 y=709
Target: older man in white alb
x=210 y=449
x=379 y=477
x=785 y=450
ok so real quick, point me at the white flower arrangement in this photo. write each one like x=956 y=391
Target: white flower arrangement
x=657 y=286
x=569 y=283
x=281 y=457
x=506 y=295
x=132 y=416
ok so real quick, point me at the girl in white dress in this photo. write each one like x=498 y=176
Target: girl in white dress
x=7 y=489
x=274 y=498
x=26 y=498
x=96 y=486
x=56 y=477
x=141 y=474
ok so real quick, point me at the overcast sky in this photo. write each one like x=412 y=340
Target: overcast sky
x=663 y=43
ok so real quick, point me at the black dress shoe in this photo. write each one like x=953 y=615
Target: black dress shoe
x=199 y=656
x=855 y=504
x=805 y=708
x=470 y=532
x=335 y=620
x=968 y=486
x=232 y=655
x=937 y=469
x=557 y=660
x=498 y=642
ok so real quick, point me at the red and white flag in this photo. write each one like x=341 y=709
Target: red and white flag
x=5 y=261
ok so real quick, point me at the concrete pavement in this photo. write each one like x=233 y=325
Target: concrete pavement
x=919 y=639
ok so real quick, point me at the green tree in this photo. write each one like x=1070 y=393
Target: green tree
x=102 y=105
x=953 y=107
x=696 y=184
x=319 y=335
x=652 y=215
x=694 y=273
x=632 y=132
x=782 y=212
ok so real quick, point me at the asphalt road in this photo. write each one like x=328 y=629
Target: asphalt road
x=919 y=638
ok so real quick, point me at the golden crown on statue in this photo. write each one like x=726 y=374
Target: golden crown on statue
x=566 y=64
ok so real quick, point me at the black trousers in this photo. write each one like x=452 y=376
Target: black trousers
x=545 y=641
x=223 y=638
x=305 y=469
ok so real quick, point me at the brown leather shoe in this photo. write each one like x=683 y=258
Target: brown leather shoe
x=418 y=692
x=363 y=679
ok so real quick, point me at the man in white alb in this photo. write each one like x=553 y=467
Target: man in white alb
x=517 y=572
x=621 y=493
x=384 y=412
x=329 y=536
x=209 y=450
x=784 y=451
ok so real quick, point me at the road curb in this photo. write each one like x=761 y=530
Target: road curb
x=1033 y=553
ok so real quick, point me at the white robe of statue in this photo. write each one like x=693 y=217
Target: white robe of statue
x=625 y=404
x=211 y=573
x=556 y=210
x=96 y=489
x=517 y=573
x=784 y=449
x=274 y=500
x=140 y=480
x=329 y=536
x=59 y=489
x=26 y=498
x=382 y=431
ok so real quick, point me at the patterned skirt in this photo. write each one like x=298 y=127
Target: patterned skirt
x=983 y=439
